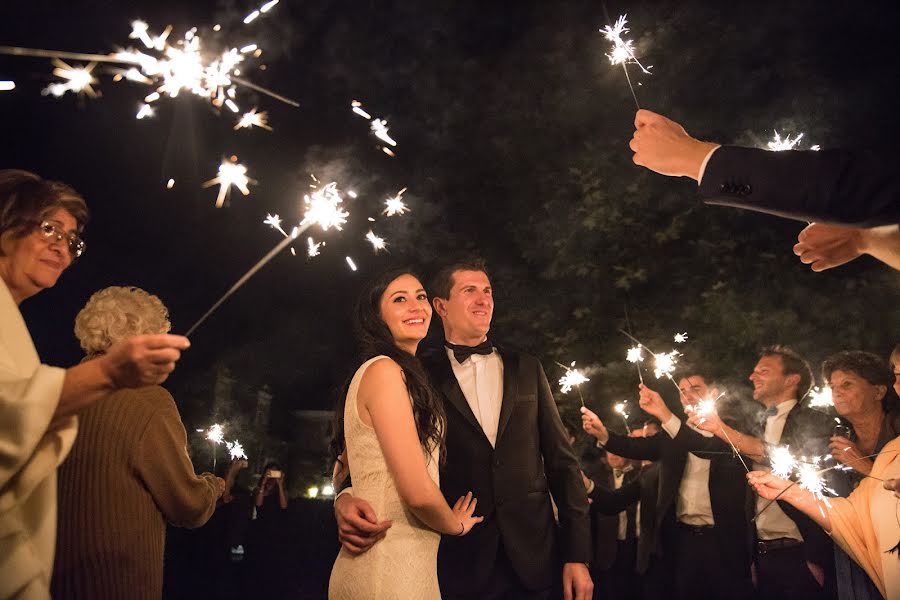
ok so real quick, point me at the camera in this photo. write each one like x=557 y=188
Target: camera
x=842 y=431
x=274 y=474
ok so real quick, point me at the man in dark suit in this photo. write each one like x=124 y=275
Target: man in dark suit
x=794 y=557
x=699 y=533
x=506 y=443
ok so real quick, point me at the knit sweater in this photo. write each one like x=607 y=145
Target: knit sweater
x=128 y=473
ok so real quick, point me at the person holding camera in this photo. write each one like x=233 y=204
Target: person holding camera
x=270 y=484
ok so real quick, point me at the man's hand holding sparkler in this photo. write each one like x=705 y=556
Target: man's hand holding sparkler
x=652 y=403
x=769 y=486
x=663 y=146
x=710 y=421
x=848 y=453
x=592 y=424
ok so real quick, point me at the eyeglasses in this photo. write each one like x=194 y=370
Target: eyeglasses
x=76 y=244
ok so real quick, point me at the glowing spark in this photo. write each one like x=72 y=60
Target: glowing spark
x=377 y=242
x=788 y=143
x=249 y=48
x=231 y=105
x=388 y=151
x=139 y=32
x=815 y=147
x=820 y=397
x=274 y=221
x=395 y=205
x=6 y=86
x=351 y=264
x=681 y=338
x=704 y=408
x=572 y=379
x=267 y=6
x=170 y=184
x=214 y=434
x=357 y=108
x=635 y=355
x=809 y=478
x=665 y=363
x=145 y=111
x=78 y=79
x=251 y=17
x=782 y=461
x=324 y=207
x=236 y=450
x=312 y=248
x=231 y=173
x=620 y=408
x=380 y=129
x=623 y=50
x=253 y=118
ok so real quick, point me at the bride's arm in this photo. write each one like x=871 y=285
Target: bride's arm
x=383 y=397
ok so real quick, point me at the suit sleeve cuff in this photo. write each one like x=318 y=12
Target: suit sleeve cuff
x=672 y=426
x=704 y=163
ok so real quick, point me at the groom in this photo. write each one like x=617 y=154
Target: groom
x=505 y=443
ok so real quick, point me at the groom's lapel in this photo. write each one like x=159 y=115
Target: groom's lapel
x=449 y=387
x=510 y=389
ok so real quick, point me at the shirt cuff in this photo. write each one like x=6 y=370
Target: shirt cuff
x=590 y=488
x=704 y=163
x=346 y=490
x=672 y=426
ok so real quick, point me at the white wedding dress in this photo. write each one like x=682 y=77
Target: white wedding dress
x=403 y=565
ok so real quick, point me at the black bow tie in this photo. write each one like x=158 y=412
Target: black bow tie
x=463 y=352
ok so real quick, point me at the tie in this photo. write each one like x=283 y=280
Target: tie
x=461 y=353
x=771 y=411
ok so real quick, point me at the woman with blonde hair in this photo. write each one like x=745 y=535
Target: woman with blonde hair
x=129 y=471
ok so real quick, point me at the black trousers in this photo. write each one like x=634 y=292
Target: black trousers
x=504 y=584
x=619 y=582
x=782 y=574
x=700 y=564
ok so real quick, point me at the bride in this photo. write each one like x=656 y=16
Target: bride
x=392 y=427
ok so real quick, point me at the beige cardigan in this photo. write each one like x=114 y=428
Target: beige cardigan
x=29 y=456
x=866 y=525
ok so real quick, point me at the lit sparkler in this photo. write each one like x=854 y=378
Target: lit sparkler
x=253 y=119
x=635 y=355
x=572 y=379
x=215 y=433
x=622 y=52
x=231 y=173
x=821 y=397
x=395 y=205
x=236 y=450
x=622 y=409
x=378 y=243
x=665 y=363
x=777 y=144
x=782 y=461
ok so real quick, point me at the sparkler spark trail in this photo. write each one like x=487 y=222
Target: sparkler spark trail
x=380 y=129
x=6 y=86
x=681 y=338
x=312 y=248
x=253 y=118
x=821 y=397
x=274 y=221
x=622 y=51
x=395 y=205
x=621 y=408
x=78 y=80
x=357 y=108
x=351 y=264
x=231 y=173
x=377 y=242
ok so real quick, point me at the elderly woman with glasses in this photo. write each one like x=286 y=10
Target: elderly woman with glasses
x=129 y=471
x=40 y=235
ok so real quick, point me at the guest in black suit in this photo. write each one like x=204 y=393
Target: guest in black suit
x=700 y=529
x=794 y=557
x=506 y=443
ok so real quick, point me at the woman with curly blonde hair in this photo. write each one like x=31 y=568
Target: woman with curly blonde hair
x=129 y=471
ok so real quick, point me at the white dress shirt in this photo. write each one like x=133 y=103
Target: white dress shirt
x=772 y=523
x=693 y=506
x=480 y=377
x=618 y=480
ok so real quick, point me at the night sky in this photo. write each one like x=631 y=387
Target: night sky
x=499 y=110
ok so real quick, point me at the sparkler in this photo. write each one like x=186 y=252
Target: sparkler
x=621 y=408
x=324 y=208
x=635 y=355
x=572 y=379
x=253 y=119
x=231 y=173
x=664 y=364
x=395 y=205
x=236 y=450
x=705 y=408
x=777 y=144
x=78 y=79
x=622 y=52
x=214 y=435
x=821 y=397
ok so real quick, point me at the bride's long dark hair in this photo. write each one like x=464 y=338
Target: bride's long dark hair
x=375 y=339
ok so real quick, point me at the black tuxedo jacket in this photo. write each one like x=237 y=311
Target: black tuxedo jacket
x=641 y=488
x=840 y=186
x=728 y=492
x=512 y=481
x=604 y=521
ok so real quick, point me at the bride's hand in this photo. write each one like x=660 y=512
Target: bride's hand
x=464 y=509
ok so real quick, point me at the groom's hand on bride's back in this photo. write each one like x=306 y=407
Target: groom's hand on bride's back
x=358 y=526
